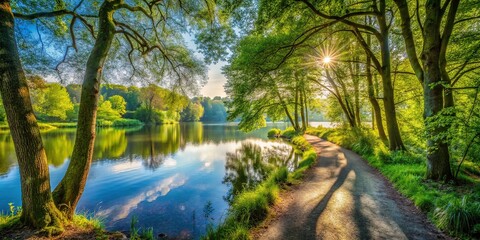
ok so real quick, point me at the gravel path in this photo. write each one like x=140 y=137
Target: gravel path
x=342 y=197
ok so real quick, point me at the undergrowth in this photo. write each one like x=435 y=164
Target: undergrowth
x=453 y=208
x=11 y=220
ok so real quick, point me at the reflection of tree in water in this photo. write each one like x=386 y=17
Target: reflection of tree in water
x=250 y=164
x=7 y=153
x=154 y=144
x=110 y=143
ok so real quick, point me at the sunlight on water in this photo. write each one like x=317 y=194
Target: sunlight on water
x=163 y=175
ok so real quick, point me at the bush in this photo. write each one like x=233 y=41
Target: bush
x=274 y=132
x=290 y=133
x=301 y=143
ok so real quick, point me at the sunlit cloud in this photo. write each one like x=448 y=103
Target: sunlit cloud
x=170 y=162
x=126 y=167
x=162 y=188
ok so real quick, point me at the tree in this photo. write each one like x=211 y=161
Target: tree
x=51 y=102
x=432 y=74
x=107 y=112
x=118 y=104
x=178 y=64
x=193 y=112
x=38 y=207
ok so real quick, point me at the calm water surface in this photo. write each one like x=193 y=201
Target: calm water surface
x=164 y=176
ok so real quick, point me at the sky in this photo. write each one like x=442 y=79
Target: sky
x=216 y=80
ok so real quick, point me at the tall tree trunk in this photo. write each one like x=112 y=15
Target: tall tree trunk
x=297 y=127
x=306 y=107
x=377 y=113
x=38 y=208
x=395 y=139
x=438 y=157
x=302 y=110
x=430 y=75
x=68 y=192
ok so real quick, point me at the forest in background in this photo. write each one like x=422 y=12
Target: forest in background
x=411 y=67
x=54 y=103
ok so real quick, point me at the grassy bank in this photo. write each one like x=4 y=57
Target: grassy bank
x=82 y=226
x=452 y=207
x=122 y=122
x=251 y=207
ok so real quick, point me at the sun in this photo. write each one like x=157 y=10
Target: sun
x=327 y=60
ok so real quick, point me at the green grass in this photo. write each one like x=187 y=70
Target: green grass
x=122 y=122
x=63 y=124
x=251 y=207
x=11 y=220
x=451 y=207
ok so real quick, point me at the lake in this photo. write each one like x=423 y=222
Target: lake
x=167 y=177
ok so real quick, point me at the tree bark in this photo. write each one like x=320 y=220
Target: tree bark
x=38 y=208
x=356 y=83
x=302 y=109
x=430 y=75
x=377 y=113
x=68 y=192
x=297 y=127
x=395 y=139
x=438 y=157
x=306 y=107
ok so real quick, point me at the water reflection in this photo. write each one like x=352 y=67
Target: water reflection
x=252 y=163
x=163 y=175
x=153 y=144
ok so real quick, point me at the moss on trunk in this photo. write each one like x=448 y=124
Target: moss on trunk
x=38 y=209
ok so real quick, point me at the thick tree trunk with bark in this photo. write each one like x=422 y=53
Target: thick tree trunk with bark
x=432 y=76
x=438 y=157
x=395 y=139
x=68 y=192
x=38 y=208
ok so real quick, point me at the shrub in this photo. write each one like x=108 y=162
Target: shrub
x=301 y=143
x=289 y=133
x=274 y=132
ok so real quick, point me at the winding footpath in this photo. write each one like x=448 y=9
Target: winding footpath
x=342 y=197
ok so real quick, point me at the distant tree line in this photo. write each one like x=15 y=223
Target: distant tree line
x=151 y=104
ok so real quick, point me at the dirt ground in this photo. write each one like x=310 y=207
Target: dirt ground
x=70 y=233
x=342 y=197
